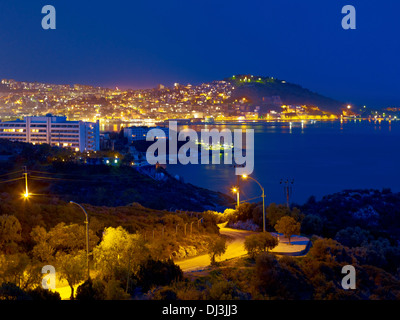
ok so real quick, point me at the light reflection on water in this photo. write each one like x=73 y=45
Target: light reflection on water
x=321 y=157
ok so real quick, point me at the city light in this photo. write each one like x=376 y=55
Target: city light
x=236 y=190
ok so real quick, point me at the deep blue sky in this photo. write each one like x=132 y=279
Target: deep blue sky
x=143 y=43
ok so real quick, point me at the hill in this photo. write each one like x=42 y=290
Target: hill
x=61 y=173
x=270 y=93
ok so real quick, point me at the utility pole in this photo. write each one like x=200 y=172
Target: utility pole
x=287 y=189
x=238 y=192
x=237 y=188
x=26 y=195
x=238 y=198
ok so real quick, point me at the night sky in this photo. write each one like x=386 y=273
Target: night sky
x=139 y=44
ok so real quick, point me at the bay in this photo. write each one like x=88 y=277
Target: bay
x=320 y=157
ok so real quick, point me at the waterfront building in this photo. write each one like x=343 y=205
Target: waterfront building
x=53 y=130
x=140 y=133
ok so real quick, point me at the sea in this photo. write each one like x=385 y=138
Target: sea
x=299 y=160
x=294 y=161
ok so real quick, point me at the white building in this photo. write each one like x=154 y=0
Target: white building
x=53 y=130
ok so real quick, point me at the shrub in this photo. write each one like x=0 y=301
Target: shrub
x=42 y=294
x=256 y=243
x=90 y=290
x=158 y=273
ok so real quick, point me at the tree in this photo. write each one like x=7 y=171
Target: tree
x=42 y=294
x=158 y=273
x=281 y=279
x=216 y=248
x=354 y=237
x=258 y=215
x=72 y=268
x=91 y=290
x=275 y=212
x=288 y=226
x=43 y=251
x=245 y=211
x=257 y=243
x=62 y=238
x=13 y=267
x=119 y=253
x=10 y=233
x=312 y=224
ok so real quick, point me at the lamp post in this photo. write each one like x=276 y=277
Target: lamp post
x=236 y=190
x=263 y=197
x=87 y=236
x=26 y=194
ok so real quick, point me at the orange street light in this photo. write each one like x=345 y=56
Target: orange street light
x=236 y=190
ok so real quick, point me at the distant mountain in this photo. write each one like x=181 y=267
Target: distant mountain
x=270 y=93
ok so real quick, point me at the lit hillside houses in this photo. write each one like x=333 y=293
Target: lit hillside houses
x=304 y=112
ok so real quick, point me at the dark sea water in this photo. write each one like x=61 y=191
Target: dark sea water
x=322 y=158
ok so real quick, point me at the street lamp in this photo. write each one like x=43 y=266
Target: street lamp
x=236 y=190
x=87 y=236
x=245 y=176
x=26 y=194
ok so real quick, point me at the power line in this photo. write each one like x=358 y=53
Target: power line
x=11 y=173
x=57 y=179
x=11 y=180
x=244 y=201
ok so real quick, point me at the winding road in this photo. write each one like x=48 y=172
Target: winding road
x=235 y=248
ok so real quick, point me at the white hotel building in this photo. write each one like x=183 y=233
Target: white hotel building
x=55 y=131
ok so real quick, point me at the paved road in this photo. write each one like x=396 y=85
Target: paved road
x=235 y=248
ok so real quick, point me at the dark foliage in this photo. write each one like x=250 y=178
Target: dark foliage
x=158 y=273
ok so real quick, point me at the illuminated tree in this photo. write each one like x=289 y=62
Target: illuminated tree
x=216 y=248
x=10 y=233
x=43 y=251
x=288 y=226
x=62 y=238
x=257 y=243
x=275 y=212
x=118 y=253
x=12 y=267
x=71 y=268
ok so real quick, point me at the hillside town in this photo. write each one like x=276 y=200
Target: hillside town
x=207 y=102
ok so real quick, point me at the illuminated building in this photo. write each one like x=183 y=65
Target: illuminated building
x=53 y=130
x=140 y=133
